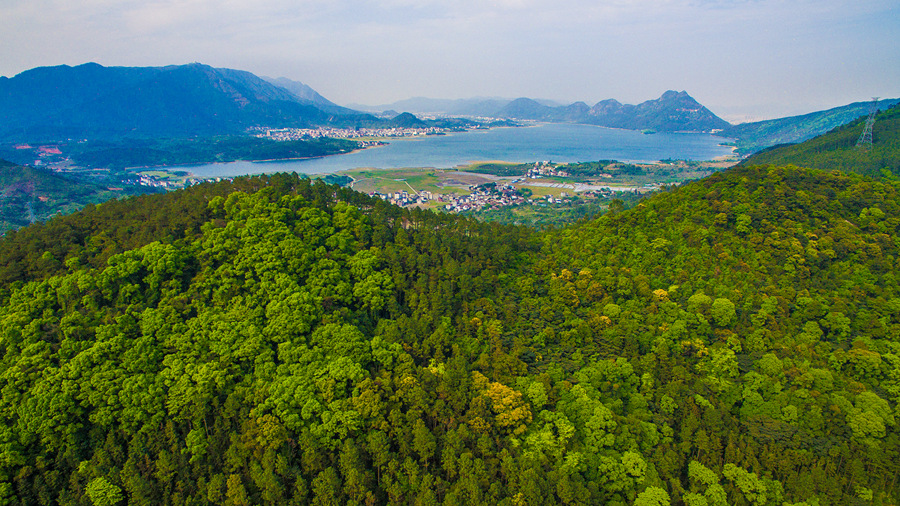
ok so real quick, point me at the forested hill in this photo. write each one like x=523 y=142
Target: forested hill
x=732 y=341
x=29 y=194
x=837 y=149
x=754 y=136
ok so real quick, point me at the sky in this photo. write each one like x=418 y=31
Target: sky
x=743 y=59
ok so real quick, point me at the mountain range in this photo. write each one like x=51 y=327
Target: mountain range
x=476 y=106
x=673 y=111
x=91 y=101
x=185 y=100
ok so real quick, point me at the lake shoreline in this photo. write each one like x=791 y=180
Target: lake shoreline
x=141 y=168
x=553 y=142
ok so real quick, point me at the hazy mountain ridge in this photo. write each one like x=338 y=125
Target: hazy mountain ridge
x=476 y=106
x=306 y=94
x=673 y=111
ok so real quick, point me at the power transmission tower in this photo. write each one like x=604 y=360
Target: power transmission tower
x=865 y=138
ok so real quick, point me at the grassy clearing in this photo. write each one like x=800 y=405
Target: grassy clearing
x=498 y=168
x=394 y=180
x=424 y=179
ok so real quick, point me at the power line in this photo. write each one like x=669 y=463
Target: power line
x=865 y=138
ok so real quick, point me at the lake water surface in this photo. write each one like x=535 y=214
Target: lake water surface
x=552 y=142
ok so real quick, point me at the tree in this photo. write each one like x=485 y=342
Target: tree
x=423 y=441
x=653 y=496
x=752 y=488
x=103 y=493
x=512 y=412
x=722 y=312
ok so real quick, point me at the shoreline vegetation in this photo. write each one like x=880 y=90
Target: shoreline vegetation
x=137 y=154
x=140 y=154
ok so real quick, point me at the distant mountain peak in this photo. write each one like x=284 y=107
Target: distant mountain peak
x=407 y=120
x=672 y=111
x=671 y=94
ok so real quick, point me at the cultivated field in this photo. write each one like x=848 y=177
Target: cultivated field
x=415 y=180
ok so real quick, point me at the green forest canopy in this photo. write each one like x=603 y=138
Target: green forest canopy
x=275 y=340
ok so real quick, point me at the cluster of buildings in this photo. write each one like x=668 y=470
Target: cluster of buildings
x=406 y=199
x=544 y=169
x=293 y=134
x=490 y=196
x=482 y=197
x=156 y=182
x=146 y=180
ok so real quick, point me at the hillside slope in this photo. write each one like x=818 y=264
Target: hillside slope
x=306 y=94
x=754 y=136
x=28 y=194
x=272 y=341
x=837 y=150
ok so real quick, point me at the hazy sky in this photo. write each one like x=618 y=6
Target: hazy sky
x=743 y=59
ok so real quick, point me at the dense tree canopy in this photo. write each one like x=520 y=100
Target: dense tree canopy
x=273 y=340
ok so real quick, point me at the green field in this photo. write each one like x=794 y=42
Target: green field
x=499 y=168
x=456 y=181
x=439 y=181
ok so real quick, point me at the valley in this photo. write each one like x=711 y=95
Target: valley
x=559 y=314
x=494 y=185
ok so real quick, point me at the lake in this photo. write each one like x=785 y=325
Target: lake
x=554 y=142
